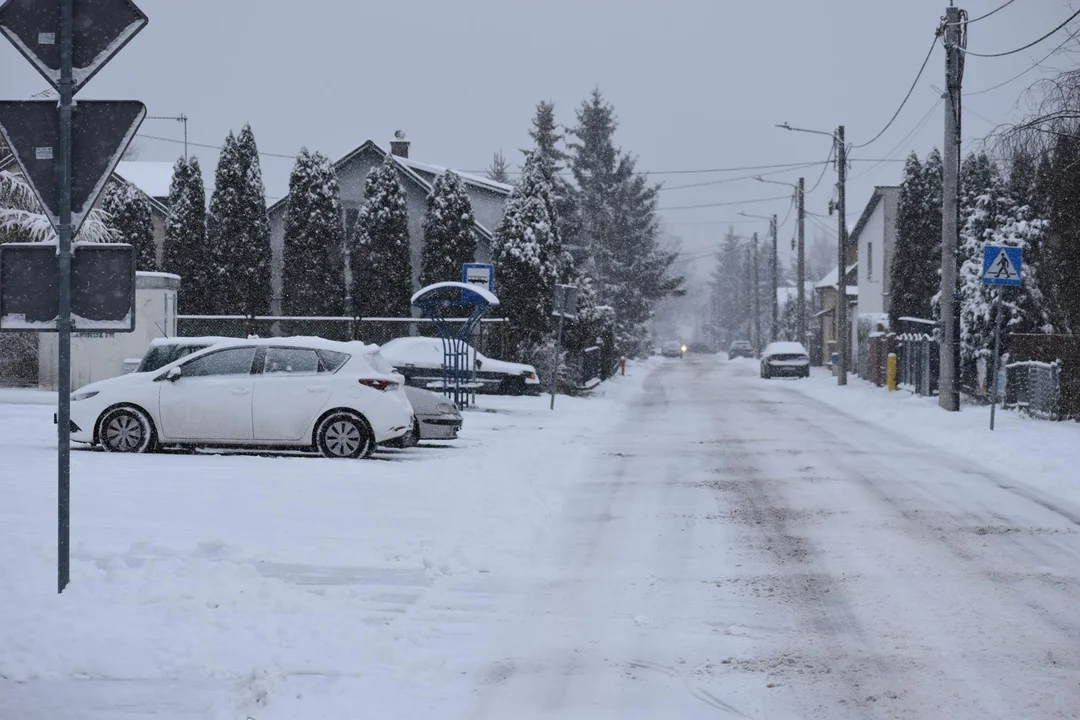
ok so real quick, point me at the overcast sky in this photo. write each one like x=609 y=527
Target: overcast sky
x=696 y=84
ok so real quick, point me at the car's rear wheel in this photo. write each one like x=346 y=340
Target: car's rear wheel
x=344 y=436
x=126 y=430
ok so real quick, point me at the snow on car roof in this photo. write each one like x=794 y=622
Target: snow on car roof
x=778 y=348
x=304 y=341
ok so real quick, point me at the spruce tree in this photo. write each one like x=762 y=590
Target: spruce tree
x=129 y=214
x=527 y=260
x=186 y=251
x=449 y=240
x=499 y=170
x=313 y=274
x=239 y=230
x=381 y=257
x=983 y=198
x=618 y=230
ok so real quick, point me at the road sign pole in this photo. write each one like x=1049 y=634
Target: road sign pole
x=997 y=354
x=63 y=425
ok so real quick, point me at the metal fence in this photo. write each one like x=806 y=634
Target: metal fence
x=1035 y=388
x=917 y=363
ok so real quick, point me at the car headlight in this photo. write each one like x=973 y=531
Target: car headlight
x=84 y=395
x=446 y=409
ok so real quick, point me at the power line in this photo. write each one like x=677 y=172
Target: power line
x=933 y=44
x=741 y=177
x=1021 y=49
x=725 y=204
x=983 y=17
x=1029 y=69
x=918 y=126
x=210 y=147
x=823 y=170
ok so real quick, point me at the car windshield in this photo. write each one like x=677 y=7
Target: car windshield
x=158 y=356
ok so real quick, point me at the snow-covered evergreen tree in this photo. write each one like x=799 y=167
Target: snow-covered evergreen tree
x=449 y=239
x=618 y=231
x=983 y=201
x=548 y=147
x=238 y=230
x=186 y=251
x=728 y=282
x=381 y=257
x=129 y=214
x=916 y=260
x=313 y=273
x=528 y=260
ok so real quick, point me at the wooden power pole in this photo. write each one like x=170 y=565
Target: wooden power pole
x=801 y=273
x=843 y=333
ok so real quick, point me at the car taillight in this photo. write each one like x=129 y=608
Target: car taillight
x=379 y=384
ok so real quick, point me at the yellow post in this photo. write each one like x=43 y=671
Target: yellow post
x=891 y=371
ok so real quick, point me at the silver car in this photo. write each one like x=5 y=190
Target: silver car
x=436 y=418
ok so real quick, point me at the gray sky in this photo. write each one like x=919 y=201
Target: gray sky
x=696 y=83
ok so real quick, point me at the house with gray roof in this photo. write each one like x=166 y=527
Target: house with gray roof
x=488 y=200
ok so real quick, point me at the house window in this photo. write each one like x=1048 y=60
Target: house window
x=869 y=261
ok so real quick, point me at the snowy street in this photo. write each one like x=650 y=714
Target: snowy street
x=693 y=543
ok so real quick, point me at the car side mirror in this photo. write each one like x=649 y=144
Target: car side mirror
x=174 y=374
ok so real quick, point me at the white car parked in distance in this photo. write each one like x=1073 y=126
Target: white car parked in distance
x=781 y=359
x=341 y=399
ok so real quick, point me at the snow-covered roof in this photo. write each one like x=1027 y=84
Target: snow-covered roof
x=830 y=280
x=477 y=180
x=153 y=178
x=483 y=292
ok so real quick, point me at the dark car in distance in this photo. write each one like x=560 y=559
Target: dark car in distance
x=740 y=348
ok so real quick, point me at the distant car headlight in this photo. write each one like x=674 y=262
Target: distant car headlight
x=446 y=409
x=683 y=348
x=84 y=395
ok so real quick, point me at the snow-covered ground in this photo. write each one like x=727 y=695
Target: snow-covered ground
x=696 y=542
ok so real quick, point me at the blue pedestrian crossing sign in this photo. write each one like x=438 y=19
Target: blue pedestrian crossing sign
x=1002 y=265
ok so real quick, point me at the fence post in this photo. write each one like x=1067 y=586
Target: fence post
x=891 y=372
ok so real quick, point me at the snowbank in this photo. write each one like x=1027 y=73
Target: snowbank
x=1043 y=455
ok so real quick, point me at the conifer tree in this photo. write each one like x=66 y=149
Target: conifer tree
x=499 y=170
x=381 y=257
x=449 y=239
x=313 y=273
x=916 y=259
x=130 y=219
x=186 y=252
x=619 y=233
x=239 y=230
x=528 y=259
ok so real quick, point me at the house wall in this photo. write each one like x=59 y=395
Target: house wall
x=487 y=207
x=872 y=263
x=100 y=355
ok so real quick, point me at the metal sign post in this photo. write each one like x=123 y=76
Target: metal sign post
x=1002 y=266
x=67 y=183
x=565 y=306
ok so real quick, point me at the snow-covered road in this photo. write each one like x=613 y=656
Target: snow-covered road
x=698 y=544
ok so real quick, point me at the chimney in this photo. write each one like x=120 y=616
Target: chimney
x=399 y=145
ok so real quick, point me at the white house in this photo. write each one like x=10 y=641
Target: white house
x=875 y=233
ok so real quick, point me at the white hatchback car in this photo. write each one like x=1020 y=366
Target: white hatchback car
x=341 y=399
x=780 y=359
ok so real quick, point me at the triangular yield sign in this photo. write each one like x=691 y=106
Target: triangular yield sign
x=100 y=29
x=1002 y=268
x=101 y=131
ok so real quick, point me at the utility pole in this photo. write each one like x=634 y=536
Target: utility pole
x=949 y=386
x=757 y=301
x=841 y=255
x=774 y=335
x=801 y=279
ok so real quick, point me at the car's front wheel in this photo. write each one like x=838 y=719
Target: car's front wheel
x=126 y=430
x=344 y=436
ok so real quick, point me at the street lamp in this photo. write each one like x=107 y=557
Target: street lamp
x=842 y=331
x=800 y=214
x=774 y=332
